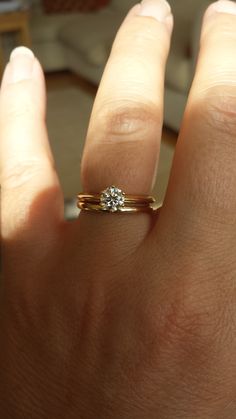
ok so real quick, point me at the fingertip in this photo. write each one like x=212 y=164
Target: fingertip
x=23 y=66
x=221 y=6
x=219 y=11
x=19 y=51
x=160 y=10
x=19 y=67
x=169 y=23
x=23 y=82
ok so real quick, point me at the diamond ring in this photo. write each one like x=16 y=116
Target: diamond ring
x=114 y=200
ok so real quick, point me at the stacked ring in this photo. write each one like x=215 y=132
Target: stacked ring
x=115 y=200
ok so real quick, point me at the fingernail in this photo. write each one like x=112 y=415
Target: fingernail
x=222 y=6
x=159 y=9
x=20 y=65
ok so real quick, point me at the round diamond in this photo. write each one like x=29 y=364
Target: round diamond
x=112 y=199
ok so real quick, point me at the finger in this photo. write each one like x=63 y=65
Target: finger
x=203 y=181
x=30 y=190
x=123 y=138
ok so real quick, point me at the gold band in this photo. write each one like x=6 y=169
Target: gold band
x=98 y=208
x=135 y=199
x=115 y=200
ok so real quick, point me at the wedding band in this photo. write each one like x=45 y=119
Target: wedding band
x=115 y=200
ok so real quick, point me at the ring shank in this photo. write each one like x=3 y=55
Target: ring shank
x=86 y=206
x=117 y=201
x=136 y=199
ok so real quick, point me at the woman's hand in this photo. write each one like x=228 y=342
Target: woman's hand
x=123 y=316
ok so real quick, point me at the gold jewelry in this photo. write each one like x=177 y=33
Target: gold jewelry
x=114 y=200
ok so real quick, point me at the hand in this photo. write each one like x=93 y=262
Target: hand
x=123 y=316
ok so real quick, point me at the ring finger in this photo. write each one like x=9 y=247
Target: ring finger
x=123 y=140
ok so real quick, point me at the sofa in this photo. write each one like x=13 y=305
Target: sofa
x=82 y=42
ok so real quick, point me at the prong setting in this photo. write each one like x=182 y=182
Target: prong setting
x=112 y=199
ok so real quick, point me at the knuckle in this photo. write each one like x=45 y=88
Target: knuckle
x=195 y=332
x=15 y=176
x=130 y=119
x=220 y=110
x=197 y=327
x=20 y=102
x=192 y=325
x=184 y=329
x=212 y=177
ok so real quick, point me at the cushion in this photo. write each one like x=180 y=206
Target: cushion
x=98 y=55
x=61 y=6
x=46 y=28
x=35 y=5
x=123 y=5
x=100 y=32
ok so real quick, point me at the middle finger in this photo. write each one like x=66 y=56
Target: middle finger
x=201 y=192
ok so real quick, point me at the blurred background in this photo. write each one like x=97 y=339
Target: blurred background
x=72 y=40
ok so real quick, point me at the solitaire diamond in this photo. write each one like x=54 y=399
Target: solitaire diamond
x=112 y=199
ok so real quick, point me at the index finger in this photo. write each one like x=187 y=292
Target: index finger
x=30 y=188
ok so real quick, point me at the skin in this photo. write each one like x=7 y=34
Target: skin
x=123 y=316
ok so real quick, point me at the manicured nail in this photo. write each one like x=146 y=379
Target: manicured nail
x=222 y=6
x=21 y=65
x=159 y=9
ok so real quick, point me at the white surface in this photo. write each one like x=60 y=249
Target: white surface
x=10 y=6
